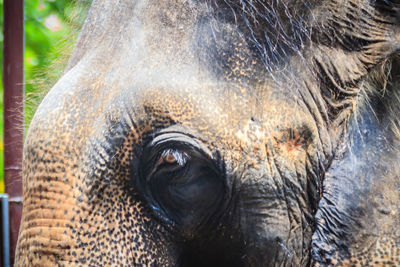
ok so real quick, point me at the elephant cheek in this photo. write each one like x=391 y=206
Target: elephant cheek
x=264 y=226
x=272 y=228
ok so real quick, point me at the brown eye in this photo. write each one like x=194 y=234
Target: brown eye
x=172 y=157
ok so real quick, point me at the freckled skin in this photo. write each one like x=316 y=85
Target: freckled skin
x=289 y=129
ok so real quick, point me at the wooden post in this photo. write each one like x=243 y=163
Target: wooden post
x=13 y=80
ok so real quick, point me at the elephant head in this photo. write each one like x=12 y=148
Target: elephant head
x=220 y=133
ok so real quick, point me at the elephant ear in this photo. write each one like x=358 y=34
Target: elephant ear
x=349 y=39
x=358 y=219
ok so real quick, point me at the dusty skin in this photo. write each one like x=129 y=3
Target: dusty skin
x=220 y=133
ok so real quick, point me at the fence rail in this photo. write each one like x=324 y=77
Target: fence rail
x=13 y=80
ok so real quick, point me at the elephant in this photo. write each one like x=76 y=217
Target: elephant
x=220 y=133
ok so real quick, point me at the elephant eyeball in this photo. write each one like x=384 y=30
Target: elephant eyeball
x=181 y=184
x=172 y=156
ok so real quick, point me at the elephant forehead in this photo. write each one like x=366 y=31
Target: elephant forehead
x=237 y=124
x=219 y=109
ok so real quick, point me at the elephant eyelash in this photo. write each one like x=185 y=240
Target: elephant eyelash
x=172 y=156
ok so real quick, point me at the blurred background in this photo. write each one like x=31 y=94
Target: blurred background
x=51 y=29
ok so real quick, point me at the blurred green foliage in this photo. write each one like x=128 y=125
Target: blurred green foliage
x=51 y=28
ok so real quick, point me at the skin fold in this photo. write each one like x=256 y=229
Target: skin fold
x=220 y=133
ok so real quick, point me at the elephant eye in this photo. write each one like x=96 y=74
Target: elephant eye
x=180 y=183
x=168 y=166
x=172 y=158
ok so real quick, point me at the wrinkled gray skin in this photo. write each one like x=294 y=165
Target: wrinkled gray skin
x=220 y=133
